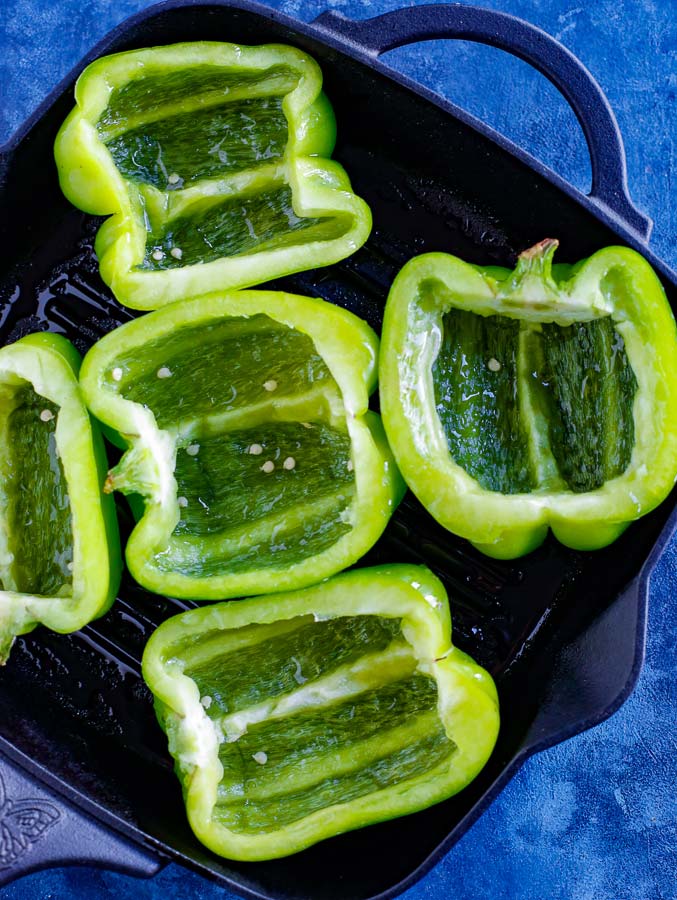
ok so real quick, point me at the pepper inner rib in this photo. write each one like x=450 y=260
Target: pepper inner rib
x=203 y=133
x=331 y=711
x=263 y=463
x=35 y=495
x=527 y=407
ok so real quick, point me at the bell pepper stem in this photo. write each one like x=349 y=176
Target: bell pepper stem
x=533 y=273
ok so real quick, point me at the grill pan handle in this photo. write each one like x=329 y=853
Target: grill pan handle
x=506 y=32
x=39 y=829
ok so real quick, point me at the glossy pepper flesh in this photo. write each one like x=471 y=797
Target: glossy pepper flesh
x=297 y=717
x=59 y=546
x=250 y=440
x=211 y=159
x=543 y=397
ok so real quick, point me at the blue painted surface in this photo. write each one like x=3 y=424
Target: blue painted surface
x=594 y=818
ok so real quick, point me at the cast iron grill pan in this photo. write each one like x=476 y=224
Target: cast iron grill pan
x=562 y=632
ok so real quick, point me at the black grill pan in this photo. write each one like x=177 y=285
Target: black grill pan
x=561 y=631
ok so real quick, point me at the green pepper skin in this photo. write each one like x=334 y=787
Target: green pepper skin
x=147 y=207
x=230 y=531
x=228 y=798
x=48 y=365
x=614 y=285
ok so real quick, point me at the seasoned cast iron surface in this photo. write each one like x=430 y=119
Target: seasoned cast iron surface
x=76 y=704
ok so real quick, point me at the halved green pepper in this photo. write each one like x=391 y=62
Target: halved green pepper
x=543 y=397
x=59 y=545
x=297 y=717
x=250 y=440
x=211 y=159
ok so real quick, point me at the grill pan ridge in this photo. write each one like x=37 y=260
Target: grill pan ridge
x=76 y=720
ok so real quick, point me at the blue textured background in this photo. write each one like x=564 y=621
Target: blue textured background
x=596 y=817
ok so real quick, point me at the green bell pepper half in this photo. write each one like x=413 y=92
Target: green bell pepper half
x=297 y=717
x=250 y=440
x=59 y=545
x=211 y=160
x=541 y=398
